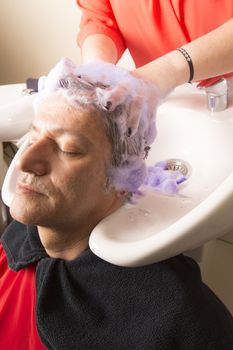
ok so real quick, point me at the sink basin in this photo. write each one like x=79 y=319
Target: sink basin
x=16 y=112
x=158 y=226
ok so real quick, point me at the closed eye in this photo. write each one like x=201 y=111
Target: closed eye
x=61 y=148
x=70 y=153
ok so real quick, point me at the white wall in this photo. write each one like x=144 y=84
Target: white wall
x=35 y=35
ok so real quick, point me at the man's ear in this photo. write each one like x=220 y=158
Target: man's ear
x=124 y=195
x=121 y=194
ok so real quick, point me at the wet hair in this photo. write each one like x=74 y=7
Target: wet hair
x=126 y=104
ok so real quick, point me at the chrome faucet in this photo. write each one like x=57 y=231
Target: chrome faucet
x=216 y=95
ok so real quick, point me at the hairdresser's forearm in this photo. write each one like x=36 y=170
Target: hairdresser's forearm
x=212 y=55
x=99 y=47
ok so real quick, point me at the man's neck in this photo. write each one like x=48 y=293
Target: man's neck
x=64 y=245
x=68 y=242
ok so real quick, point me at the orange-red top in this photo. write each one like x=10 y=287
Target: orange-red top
x=151 y=28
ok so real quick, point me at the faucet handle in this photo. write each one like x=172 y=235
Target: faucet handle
x=216 y=92
x=208 y=82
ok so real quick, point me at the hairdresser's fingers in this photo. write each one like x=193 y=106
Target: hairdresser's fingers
x=109 y=99
x=136 y=111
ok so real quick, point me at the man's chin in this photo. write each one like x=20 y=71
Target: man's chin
x=24 y=211
x=21 y=216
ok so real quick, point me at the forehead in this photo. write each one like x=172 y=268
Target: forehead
x=57 y=114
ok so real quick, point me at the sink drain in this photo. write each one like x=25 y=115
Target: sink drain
x=179 y=165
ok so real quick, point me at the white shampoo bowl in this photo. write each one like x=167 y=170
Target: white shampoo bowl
x=16 y=112
x=158 y=226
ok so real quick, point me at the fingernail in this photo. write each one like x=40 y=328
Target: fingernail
x=129 y=132
x=108 y=105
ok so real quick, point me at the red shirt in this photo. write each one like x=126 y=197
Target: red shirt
x=151 y=28
x=17 y=308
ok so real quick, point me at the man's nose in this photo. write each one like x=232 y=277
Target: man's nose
x=36 y=158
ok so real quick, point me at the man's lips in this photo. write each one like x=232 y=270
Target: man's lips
x=25 y=188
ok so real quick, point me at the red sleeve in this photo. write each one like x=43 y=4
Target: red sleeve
x=17 y=308
x=98 y=18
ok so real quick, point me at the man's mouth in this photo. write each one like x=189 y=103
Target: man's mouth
x=25 y=188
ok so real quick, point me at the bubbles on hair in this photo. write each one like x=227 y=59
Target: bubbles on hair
x=126 y=104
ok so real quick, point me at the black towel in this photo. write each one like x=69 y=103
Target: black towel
x=89 y=304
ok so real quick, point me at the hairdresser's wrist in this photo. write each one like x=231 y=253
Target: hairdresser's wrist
x=167 y=72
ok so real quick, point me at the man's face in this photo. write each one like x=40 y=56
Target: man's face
x=62 y=180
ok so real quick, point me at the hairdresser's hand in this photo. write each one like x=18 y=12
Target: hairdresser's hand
x=117 y=86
